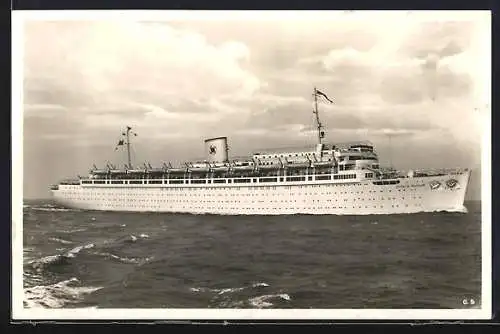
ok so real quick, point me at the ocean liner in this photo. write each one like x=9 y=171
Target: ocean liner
x=338 y=179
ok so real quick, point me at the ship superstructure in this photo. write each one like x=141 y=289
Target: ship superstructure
x=341 y=178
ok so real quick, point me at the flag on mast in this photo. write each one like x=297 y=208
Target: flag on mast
x=318 y=92
x=120 y=143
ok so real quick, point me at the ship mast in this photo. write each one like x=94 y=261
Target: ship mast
x=390 y=150
x=122 y=142
x=321 y=134
x=128 y=147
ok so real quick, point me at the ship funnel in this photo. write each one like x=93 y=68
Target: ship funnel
x=216 y=149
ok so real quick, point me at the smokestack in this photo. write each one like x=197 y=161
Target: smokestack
x=216 y=149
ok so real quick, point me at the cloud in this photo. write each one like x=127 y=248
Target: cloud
x=177 y=82
x=442 y=38
x=155 y=73
x=101 y=63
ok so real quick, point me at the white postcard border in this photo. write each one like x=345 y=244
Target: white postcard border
x=21 y=313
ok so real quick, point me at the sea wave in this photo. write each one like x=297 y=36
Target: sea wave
x=56 y=295
x=264 y=301
x=260 y=284
x=31 y=279
x=221 y=291
x=72 y=231
x=62 y=241
x=28 y=254
x=47 y=261
x=124 y=259
x=132 y=238
x=224 y=297
x=127 y=239
x=57 y=259
x=72 y=253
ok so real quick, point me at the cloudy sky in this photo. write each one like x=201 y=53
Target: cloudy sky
x=423 y=79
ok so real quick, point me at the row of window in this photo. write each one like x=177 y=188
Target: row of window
x=284 y=155
x=386 y=182
x=261 y=189
x=344 y=177
x=352 y=157
x=356 y=157
x=122 y=199
x=209 y=194
x=145 y=197
x=219 y=181
x=176 y=207
x=154 y=191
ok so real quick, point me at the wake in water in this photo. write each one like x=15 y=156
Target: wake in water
x=48 y=207
x=51 y=209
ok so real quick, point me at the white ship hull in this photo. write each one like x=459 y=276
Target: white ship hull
x=333 y=197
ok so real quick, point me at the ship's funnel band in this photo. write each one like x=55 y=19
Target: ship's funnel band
x=216 y=149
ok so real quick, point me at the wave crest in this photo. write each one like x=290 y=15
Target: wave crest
x=62 y=241
x=124 y=259
x=58 y=259
x=56 y=295
x=222 y=291
x=263 y=301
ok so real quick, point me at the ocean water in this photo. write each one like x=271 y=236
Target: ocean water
x=75 y=258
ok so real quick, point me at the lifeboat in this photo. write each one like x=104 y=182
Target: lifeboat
x=178 y=170
x=269 y=166
x=243 y=166
x=204 y=169
x=117 y=171
x=156 y=170
x=297 y=164
x=99 y=171
x=136 y=171
x=219 y=168
x=322 y=164
x=96 y=171
x=199 y=167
